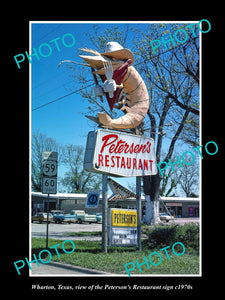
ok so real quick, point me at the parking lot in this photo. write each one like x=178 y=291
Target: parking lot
x=63 y=231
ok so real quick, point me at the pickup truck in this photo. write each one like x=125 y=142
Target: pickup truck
x=70 y=218
x=80 y=216
x=58 y=216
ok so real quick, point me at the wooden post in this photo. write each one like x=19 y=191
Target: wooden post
x=104 y=213
x=138 y=205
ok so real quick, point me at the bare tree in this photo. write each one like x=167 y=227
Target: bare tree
x=40 y=143
x=172 y=79
x=188 y=178
x=76 y=179
x=168 y=183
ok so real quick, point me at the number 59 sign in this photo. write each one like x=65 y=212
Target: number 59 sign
x=49 y=178
x=50 y=168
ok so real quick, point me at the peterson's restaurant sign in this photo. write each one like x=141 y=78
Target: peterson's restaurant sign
x=119 y=153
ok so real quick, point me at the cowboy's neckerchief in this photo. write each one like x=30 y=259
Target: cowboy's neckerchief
x=118 y=76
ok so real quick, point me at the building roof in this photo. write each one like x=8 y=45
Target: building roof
x=84 y=196
x=60 y=195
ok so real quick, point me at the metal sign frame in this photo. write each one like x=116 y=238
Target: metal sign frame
x=123 y=235
x=49 y=179
x=49 y=173
x=105 y=219
x=120 y=154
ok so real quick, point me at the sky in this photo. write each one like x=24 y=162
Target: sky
x=61 y=120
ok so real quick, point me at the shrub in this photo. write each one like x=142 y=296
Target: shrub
x=161 y=236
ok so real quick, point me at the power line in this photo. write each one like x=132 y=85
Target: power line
x=60 y=98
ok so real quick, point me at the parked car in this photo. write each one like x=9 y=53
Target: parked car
x=165 y=217
x=83 y=217
x=80 y=216
x=42 y=217
x=99 y=217
x=70 y=218
x=58 y=216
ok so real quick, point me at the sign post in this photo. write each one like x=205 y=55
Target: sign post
x=49 y=179
x=138 y=205
x=117 y=153
x=104 y=213
x=47 y=222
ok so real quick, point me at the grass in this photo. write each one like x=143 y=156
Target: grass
x=88 y=254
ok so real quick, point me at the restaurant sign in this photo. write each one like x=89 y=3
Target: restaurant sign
x=120 y=153
x=122 y=227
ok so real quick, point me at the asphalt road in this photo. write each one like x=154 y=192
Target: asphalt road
x=62 y=231
x=182 y=221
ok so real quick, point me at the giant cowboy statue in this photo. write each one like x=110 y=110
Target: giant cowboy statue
x=122 y=84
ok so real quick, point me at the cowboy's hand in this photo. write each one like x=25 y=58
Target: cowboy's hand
x=98 y=91
x=109 y=86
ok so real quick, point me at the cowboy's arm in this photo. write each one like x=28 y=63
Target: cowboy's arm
x=109 y=86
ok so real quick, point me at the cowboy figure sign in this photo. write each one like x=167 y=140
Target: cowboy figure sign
x=122 y=85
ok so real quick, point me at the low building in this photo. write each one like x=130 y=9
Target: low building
x=179 y=207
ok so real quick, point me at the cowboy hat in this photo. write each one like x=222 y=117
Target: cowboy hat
x=115 y=50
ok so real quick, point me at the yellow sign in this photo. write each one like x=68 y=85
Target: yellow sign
x=123 y=218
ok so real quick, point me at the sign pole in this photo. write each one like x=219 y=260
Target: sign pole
x=47 y=222
x=104 y=213
x=138 y=205
x=49 y=179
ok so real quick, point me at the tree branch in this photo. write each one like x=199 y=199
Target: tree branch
x=183 y=106
x=153 y=125
x=161 y=123
x=174 y=139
